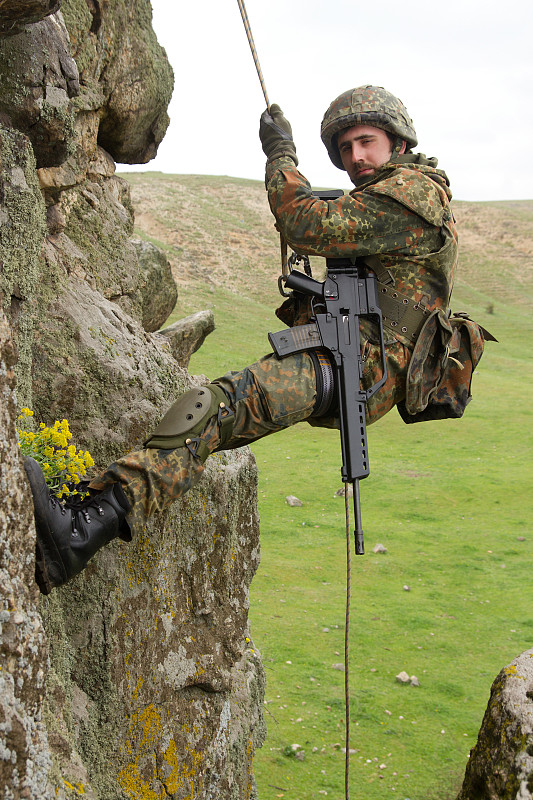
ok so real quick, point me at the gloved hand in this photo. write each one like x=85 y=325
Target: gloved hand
x=275 y=133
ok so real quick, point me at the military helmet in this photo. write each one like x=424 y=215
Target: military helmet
x=366 y=105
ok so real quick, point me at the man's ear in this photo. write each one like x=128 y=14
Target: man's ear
x=403 y=148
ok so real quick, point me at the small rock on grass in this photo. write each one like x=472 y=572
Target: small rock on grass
x=293 y=501
x=404 y=677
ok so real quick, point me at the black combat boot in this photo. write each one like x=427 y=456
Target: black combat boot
x=69 y=533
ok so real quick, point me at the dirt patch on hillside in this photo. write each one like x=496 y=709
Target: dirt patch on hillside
x=220 y=231
x=215 y=230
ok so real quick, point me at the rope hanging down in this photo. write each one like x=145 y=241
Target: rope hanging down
x=248 y=30
x=284 y=265
x=347 y=644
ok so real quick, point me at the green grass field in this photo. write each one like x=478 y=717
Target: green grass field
x=451 y=502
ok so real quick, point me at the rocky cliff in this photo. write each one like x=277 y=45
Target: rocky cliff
x=501 y=763
x=138 y=679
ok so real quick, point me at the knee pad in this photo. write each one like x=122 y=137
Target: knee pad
x=325 y=382
x=187 y=417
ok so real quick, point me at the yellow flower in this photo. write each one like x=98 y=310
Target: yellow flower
x=60 y=461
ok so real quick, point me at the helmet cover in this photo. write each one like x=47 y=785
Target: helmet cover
x=366 y=105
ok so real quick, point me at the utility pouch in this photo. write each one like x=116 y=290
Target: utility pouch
x=439 y=377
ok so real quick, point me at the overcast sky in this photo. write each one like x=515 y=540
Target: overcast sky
x=463 y=68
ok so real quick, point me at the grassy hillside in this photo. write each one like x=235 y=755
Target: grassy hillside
x=450 y=500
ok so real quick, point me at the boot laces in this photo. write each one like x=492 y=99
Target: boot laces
x=78 y=506
x=54 y=501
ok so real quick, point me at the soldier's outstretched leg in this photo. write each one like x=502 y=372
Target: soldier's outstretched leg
x=234 y=410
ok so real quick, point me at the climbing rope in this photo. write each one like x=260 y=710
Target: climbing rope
x=285 y=269
x=248 y=30
x=347 y=643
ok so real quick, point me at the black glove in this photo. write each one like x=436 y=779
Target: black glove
x=275 y=133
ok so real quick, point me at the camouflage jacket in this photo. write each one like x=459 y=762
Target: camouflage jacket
x=402 y=214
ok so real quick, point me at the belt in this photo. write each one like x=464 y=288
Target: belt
x=401 y=314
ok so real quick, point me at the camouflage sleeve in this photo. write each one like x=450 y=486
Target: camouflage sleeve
x=361 y=222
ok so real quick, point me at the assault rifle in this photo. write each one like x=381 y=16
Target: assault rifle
x=348 y=293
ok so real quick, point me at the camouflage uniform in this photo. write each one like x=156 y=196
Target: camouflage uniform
x=401 y=214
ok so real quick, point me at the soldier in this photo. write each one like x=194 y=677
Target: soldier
x=398 y=215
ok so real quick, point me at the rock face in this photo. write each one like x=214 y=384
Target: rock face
x=25 y=757
x=187 y=335
x=16 y=14
x=501 y=763
x=139 y=678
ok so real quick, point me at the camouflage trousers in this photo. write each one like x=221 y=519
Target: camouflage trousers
x=265 y=397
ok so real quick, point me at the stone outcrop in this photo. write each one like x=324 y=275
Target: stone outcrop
x=16 y=14
x=157 y=288
x=40 y=108
x=139 y=678
x=187 y=335
x=501 y=763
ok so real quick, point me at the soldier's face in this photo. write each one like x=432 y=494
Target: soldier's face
x=363 y=150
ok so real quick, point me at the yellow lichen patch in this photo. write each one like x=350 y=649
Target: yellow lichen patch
x=510 y=670
x=180 y=772
x=135 y=786
x=77 y=789
x=249 y=773
x=146 y=729
x=152 y=559
x=138 y=687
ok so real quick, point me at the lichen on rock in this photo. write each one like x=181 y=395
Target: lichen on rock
x=501 y=763
x=136 y=679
